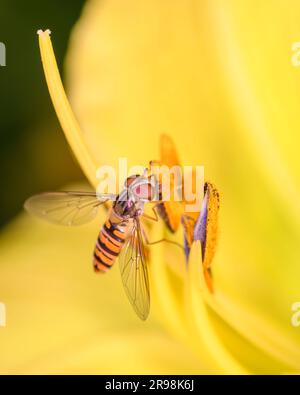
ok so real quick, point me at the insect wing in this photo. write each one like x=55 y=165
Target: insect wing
x=66 y=208
x=134 y=273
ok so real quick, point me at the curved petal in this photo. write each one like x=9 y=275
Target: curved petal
x=243 y=336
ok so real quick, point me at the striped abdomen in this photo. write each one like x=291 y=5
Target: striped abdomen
x=109 y=245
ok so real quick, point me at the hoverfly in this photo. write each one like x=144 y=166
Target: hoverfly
x=122 y=235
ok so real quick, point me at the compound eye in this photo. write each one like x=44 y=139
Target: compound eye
x=144 y=192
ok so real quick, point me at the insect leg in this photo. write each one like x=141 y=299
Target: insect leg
x=148 y=242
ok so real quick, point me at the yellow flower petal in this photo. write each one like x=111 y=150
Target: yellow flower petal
x=63 y=318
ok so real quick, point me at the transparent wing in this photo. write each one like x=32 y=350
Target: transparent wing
x=66 y=208
x=133 y=267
